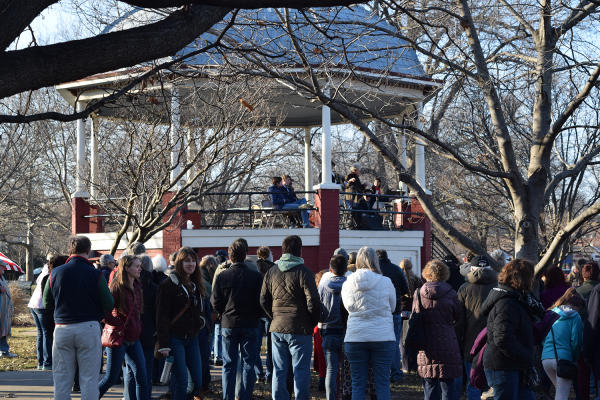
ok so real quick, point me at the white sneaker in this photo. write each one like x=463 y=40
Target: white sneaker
x=487 y=395
x=8 y=354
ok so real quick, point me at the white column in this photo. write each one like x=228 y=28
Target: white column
x=80 y=190
x=175 y=139
x=402 y=148
x=326 y=144
x=308 y=179
x=191 y=153
x=420 y=152
x=94 y=156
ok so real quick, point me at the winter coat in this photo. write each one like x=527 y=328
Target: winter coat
x=398 y=279
x=586 y=289
x=568 y=336
x=264 y=265
x=236 y=297
x=130 y=316
x=550 y=295
x=6 y=309
x=471 y=296
x=289 y=297
x=510 y=343
x=591 y=334
x=277 y=196
x=414 y=282
x=353 y=187
x=370 y=299
x=172 y=298
x=441 y=357
x=330 y=292
x=149 y=289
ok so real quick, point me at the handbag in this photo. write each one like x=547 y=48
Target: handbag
x=415 y=335
x=112 y=336
x=564 y=368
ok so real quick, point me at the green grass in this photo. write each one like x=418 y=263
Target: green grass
x=22 y=343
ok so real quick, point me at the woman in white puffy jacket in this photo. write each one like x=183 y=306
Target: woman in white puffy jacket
x=370 y=299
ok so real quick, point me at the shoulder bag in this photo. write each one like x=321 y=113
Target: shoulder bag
x=564 y=368
x=415 y=335
x=112 y=336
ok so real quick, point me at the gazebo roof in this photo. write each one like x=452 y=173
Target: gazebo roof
x=351 y=49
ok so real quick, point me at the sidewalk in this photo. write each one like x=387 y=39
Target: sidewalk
x=35 y=385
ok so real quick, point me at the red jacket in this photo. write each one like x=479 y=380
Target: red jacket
x=132 y=302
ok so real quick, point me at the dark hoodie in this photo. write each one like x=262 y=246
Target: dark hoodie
x=330 y=292
x=471 y=296
x=510 y=343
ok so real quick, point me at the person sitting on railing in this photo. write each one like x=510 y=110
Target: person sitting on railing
x=284 y=198
x=353 y=185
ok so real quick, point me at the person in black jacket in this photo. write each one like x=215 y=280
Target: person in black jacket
x=591 y=335
x=236 y=298
x=400 y=283
x=264 y=263
x=510 y=342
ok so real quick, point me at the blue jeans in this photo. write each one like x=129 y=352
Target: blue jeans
x=236 y=342
x=396 y=373
x=298 y=348
x=44 y=323
x=204 y=343
x=303 y=213
x=333 y=346
x=217 y=349
x=506 y=385
x=134 y=358
x=260 y=332
x=376 y=355
x=186 y=355
x=129 y=387
x=472 y=392
x=444 y=389
x=4 y=344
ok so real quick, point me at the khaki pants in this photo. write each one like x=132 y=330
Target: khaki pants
x=76 y=342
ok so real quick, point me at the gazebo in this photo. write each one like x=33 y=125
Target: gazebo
x=354 y=57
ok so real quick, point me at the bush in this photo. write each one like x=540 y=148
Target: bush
x=20 y=297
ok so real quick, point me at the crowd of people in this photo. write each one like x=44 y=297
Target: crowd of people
x=484 y=329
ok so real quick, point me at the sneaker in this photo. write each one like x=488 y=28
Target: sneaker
x=488 y=395
x=48 y=368
x=40 y=367
x=8 y=354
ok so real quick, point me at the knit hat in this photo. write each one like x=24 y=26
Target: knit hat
x=480 y=262
x=590 y=272
x=341 y=252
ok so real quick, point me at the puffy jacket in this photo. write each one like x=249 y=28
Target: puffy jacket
x=568 y=336
x=149 y=289
x=172 y=297
x=471 y=296
x=441 y=357
x=289 y=297
x=330 y=292
x=510 y=343
x=236 y=296
x=370 y=299
x=131 y=317
x=398 y=279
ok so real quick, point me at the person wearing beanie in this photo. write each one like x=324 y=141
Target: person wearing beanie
x=589 y=274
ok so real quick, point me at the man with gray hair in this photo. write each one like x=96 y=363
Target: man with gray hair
x=107 y=264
